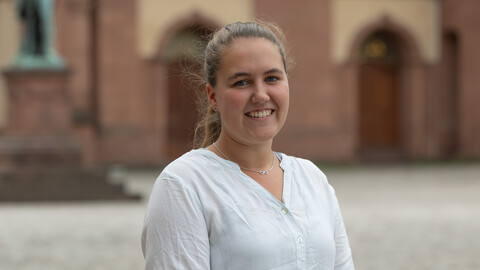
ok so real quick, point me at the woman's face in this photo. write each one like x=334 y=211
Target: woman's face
x=251 y=93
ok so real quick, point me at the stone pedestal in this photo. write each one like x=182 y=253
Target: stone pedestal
x=39 y=129
x=40 y=158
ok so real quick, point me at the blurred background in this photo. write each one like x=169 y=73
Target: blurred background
x=94 y=102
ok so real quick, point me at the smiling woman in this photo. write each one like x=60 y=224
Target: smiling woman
x=250 y=94
x=234 y=203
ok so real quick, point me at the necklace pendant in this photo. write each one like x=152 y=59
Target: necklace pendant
x=263 y=172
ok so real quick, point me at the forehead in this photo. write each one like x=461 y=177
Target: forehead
x=251 y=54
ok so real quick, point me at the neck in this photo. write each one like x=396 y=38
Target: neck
x=255 y=156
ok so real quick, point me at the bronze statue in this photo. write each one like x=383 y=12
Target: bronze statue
x=37 y=50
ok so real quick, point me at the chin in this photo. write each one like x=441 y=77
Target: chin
x=264 y=137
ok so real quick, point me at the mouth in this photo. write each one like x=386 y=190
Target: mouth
x=260 y=114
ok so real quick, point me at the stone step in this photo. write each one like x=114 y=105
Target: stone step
x=59 y=183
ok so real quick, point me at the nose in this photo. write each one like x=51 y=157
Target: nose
x=260 y=93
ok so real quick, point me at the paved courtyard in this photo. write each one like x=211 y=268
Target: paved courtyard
x=398 y=217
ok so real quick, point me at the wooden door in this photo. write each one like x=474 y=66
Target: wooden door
x=378 y=107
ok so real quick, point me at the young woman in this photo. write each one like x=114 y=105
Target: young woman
x=234 y=203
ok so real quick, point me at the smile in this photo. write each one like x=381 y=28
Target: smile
x=260 y=114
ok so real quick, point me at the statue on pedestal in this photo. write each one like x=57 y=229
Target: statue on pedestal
x=37 y=50
x=41 y=157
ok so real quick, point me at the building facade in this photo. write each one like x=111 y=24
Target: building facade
x=373 y=80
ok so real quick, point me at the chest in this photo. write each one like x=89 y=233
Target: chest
x=252 y=226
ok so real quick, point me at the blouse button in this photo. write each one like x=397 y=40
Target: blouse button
x=285 y=210
x=299 y=240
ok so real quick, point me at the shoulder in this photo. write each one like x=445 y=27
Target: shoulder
x=192 y=160
x=309 y=180
x=191 y=168
x=305 y=174
x=297 y=164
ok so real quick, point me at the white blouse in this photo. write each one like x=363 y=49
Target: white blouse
x=205 y=213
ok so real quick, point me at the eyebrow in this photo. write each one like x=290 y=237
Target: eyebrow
x=273 y=70
x=237 y=74
x=242 y=73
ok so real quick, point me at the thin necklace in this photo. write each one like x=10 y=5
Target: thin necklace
x=260 y=172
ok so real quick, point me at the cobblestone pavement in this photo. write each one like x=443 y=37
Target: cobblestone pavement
x=397 y=217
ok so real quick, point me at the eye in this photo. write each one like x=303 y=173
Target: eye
x=271 y=79
x=241 y=83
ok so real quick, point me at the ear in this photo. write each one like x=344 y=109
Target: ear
x=211 y=96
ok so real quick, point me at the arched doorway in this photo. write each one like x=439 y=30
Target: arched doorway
x=181 y=51
x=405 y=131
x=378 y=83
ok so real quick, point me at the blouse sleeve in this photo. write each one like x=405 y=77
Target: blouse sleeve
x=175 y=234
x=343 y=253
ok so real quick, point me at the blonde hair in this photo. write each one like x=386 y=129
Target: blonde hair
x=209 y=127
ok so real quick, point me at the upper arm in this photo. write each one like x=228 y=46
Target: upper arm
x=343 y=253
x=175 y=234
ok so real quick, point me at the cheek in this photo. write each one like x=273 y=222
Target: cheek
x=282 y=96
x=235 y=100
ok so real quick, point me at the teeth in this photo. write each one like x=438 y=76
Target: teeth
x=260 y=114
